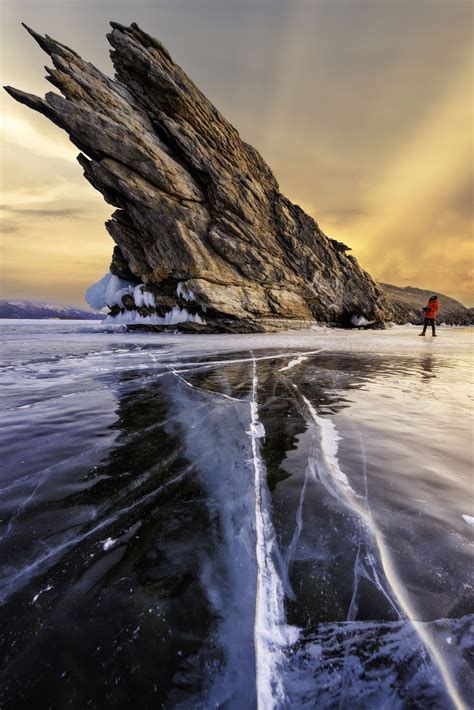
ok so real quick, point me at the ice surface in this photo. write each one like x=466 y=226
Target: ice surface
x=360 y=665
x=242 y=521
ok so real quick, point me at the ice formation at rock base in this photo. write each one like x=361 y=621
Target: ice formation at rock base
x=132 y=304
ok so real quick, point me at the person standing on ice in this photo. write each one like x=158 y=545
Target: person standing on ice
x=430 y=312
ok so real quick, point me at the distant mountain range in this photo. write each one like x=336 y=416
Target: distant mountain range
x=408 y=303
x=14 y=308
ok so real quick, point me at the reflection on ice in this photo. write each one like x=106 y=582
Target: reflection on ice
x=211 y=522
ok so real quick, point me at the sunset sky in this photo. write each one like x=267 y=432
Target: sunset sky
x=362 y=108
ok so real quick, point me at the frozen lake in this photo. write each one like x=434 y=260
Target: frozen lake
x=266 y=521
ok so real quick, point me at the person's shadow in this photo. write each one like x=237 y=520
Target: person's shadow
x=427 y=367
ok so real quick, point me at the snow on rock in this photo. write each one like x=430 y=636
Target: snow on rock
x=110 y=290
x=142 y=297
x=185 y=293
x=468 y=519
x=180 y=315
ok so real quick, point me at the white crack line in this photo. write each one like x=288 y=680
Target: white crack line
x=271 y=632
x=329 y=438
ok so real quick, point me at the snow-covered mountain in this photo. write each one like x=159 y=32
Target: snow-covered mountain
x=23 y=308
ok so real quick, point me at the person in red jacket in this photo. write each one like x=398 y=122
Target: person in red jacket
x=430 y=312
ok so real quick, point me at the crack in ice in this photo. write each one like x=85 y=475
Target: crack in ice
x=342 y=490
x=293 y=363
x=32 y=568
x=271 y=632
x=292 y=547
x=202 y=389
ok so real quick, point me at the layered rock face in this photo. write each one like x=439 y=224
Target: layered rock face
x=204 y=238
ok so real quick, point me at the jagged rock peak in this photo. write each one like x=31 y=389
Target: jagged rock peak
x=204 y=238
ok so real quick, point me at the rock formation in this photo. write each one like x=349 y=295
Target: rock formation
x=204 y=238
x=408 y=303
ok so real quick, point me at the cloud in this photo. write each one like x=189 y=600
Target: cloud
x=343 y=215
x=9 y=227
x=461 y=200
x=64 y=212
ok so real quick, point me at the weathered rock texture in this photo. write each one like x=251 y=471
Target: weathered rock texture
x=408 y=303
x=196 y=204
